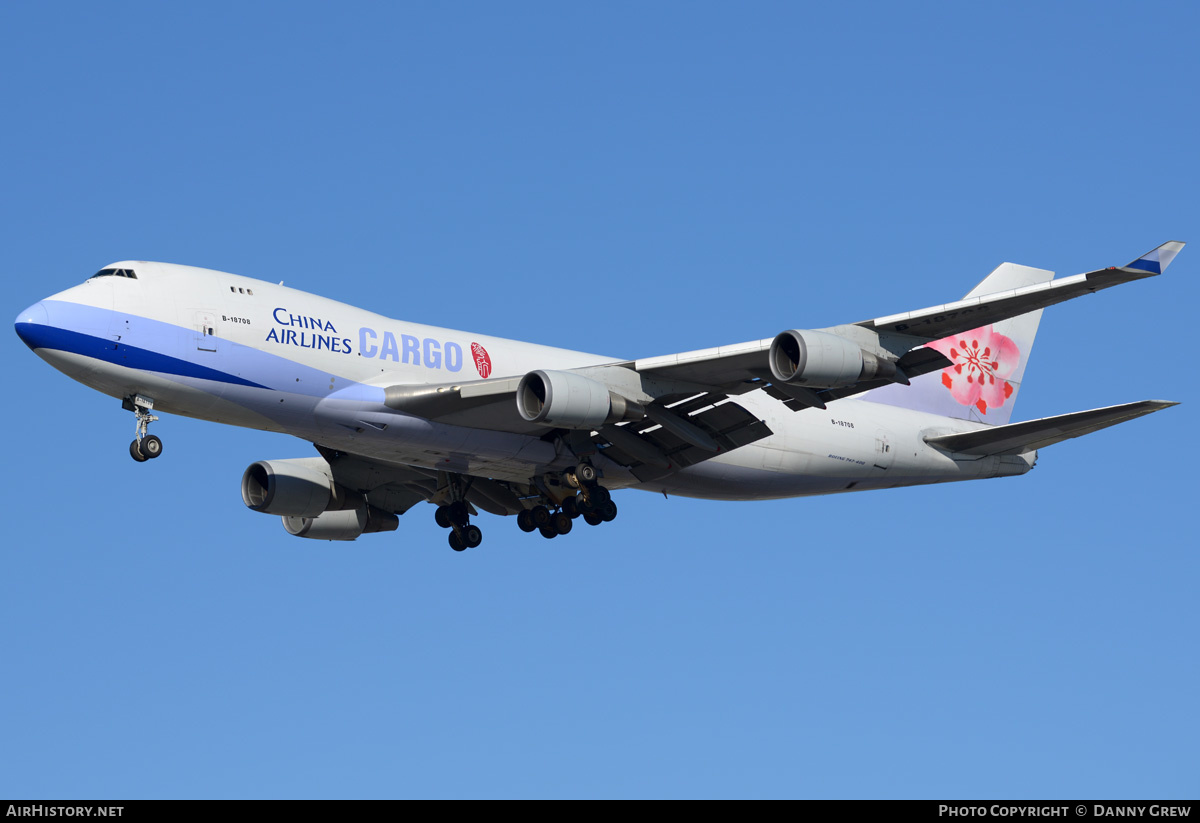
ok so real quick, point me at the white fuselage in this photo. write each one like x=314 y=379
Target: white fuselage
x=240 y=351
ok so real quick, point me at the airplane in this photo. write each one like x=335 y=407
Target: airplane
x=402 y=413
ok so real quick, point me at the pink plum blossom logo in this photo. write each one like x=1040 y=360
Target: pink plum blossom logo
x=483 y=362
x=982 y=359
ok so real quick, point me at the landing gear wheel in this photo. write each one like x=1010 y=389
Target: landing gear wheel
x=593 y=519
x=561 y=523
x=585 y=507
x=548 y=532
x=442 y=516
x=456 y=542
x=540 y=515
x=150 y=447
x=570 y=507
x=144 y=446
x=525 y=521
x=571 y=479
x=599 y=496
x=586 y=473
x=458 y=512
x=607 y=511
x=472 y=536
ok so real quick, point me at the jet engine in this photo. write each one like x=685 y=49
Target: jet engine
x=572 y=401
x=311 y=505
x=342 y=525
x=822 y=360
x=301 y=487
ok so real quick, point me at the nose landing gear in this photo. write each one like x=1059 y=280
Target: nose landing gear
x=144 y=446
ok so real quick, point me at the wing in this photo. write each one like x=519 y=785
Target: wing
x=396 y=488
x=683 y=424
x=681 y=434
x=902 y=335
x=385 y=486
x=687 y=402
x=942 y=321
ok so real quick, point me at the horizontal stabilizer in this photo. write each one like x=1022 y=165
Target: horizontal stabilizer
x=1019 y=438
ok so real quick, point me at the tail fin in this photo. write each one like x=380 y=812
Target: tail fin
x=989 y=362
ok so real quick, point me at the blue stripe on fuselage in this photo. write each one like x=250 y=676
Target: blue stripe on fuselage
x=38 y=336
x=239 y=364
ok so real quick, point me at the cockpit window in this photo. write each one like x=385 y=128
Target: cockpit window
x=114 y=273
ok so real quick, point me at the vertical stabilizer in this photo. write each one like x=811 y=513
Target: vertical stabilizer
x=989 y=362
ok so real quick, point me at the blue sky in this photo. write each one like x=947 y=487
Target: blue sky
x=634 y=179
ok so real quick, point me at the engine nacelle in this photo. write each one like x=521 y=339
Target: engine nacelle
x=572 y=401
x=294 y=488
x=347 y=524
x=818 y=359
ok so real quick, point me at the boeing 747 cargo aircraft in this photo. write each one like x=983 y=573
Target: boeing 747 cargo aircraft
x=402 y=413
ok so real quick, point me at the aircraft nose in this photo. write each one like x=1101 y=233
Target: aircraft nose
x=32 y=324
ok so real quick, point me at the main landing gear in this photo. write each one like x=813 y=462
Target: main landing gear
x=560 y=500
x=144 y=446
x=456 y=517
x=593 y=503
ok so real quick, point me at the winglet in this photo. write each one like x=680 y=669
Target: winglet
x=1156 y=261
